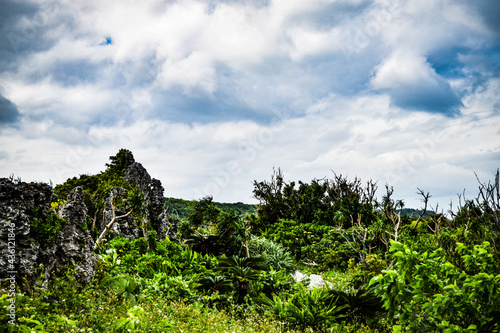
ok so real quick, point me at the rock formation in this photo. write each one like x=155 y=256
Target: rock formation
x=42 y=237
x=26 y=206
x=153 y=191
x=20 y=204
x=75 y=244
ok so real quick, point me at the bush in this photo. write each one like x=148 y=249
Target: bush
x=427 y=293
x=314 y=308
x=46 y=229
x=274 y=253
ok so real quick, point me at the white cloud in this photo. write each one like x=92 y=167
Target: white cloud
x=485 y=101
x=194 y=71
x=74 y=105
x=403 y=69
x=313 y=43
x=413 y=83
x=343 y=91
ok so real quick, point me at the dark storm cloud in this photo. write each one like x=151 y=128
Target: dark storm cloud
x=8 y=111
x=22 y=26
x=434 y=99
x=490 y=11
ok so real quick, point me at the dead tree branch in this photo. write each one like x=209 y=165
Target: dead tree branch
x=425 y=200
x=110 y=224
x=359 y=239
x=488 y=200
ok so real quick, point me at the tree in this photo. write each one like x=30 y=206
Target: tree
x=233 y=231
x=301 y=215
x=120 y=162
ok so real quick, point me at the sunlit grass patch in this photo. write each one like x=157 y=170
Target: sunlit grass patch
x=337 y=279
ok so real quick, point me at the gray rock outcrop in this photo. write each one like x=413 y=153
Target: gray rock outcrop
x=22 y=206
x=43 y=240
x=154 y=199
x=74 y=243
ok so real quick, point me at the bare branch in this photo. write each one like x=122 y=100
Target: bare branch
x=488 y=200
x=425 y=200
x=110 y=224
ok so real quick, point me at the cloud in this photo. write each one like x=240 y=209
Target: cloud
x=357 y=136
x=9 y=112
x=364 y=88
x=194 y=71
x=413 y=84
x=490 y=11
x=17 y=35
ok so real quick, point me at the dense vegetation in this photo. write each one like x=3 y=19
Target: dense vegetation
x=181 y=208
x=231 y=268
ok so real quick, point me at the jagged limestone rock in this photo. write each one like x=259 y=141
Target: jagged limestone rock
x=154 y=200
x=22 y=204
x=168 y=227
x=75 y=244
x=137 y=175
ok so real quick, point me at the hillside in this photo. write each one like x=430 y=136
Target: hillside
x=181 y=208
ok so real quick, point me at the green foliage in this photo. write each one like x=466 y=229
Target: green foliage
x=275 y=254
x=206 y=244
x=313 y=308
x=46 y=229
x=320 y=202
x=124 y=286
x=302 y=216
x=132 y=322
x=211 y=230
x=275 y=282
x=212 y=283
x=242 y=271
x=426 y=292
x=361 y=304
x=181 y=209
x=363 y=272
x=118 y=163
x=232 y=270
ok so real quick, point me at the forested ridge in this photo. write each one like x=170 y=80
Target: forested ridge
x=161 y=264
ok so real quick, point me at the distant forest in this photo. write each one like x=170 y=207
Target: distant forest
x=181 y=208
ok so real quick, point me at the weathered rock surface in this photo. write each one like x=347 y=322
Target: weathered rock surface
x=23 y=203
x=154 y=199
x=75 y=244
x=125 y=227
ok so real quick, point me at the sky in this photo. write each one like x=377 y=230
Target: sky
x=212 y=95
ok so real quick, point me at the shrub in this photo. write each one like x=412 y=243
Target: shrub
x=274 y=253
x=314 y=308
x=427 y=293
x=46 y=229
